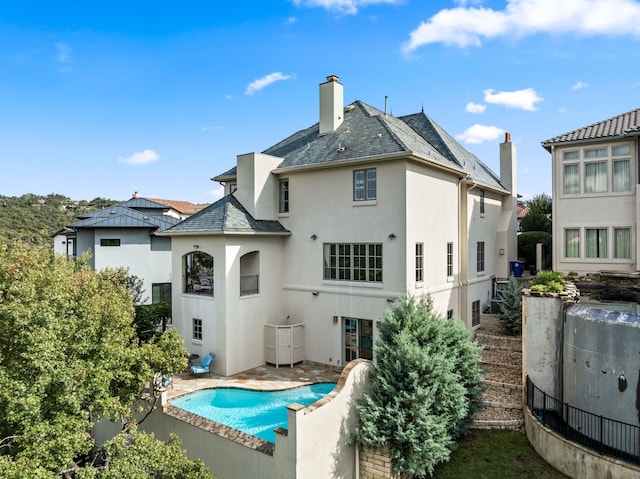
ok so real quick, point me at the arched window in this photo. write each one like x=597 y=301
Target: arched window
x=197 y=271
x=250 y=273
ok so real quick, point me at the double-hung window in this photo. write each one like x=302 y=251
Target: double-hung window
x=571 y=173
x=353 y=262
x=480 y=257
x=622 y=243
x=364 y=184
x=449 y=260
x=572 y=243
x=283 y=200
x=419 y=262
x=621 y=172
x=596 y=242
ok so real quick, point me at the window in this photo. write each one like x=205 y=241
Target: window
x=233 y=187
x=197 y=272
x=284 y=196
x=109 y=241
x=475 y=313
x=571 y=179
x=353 y=262
x=597 y=166
x=622 y=243
x=419 y=262
x=250 y=273
x=364 y=184
x=480 y=257
x=161 y=293
x=595 y=177
x=449 y=260
x=572 y=243
x=450 y=314
x=197 y=329
x=596 y=242
x=481 y=202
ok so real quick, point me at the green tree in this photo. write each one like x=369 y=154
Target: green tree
x=511 y=307
x=69 y=355
x=539 y=216
x=425 y=387
x=527 y=245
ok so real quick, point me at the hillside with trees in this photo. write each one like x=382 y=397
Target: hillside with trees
x=33 y=219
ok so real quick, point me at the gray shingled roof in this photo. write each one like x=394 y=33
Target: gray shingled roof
x=618 y=126
x=122 y=217
x=367 y=133
x=226 y=215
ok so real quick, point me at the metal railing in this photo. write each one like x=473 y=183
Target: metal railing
x=606 y=436
x=249 y=285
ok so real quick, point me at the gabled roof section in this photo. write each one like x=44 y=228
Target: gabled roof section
x=368 y=134
x=620 y=126
x=226 y=215
x=122 y=217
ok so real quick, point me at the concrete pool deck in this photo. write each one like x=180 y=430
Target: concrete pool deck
x=265 y=378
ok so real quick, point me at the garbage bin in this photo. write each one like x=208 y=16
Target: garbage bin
x=517 y=268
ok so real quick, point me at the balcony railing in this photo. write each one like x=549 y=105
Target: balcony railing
x=606 y=436
x=249 y=285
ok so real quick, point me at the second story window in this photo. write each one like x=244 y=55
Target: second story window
x=353 y=262
x=449 y=260
x=283 y=202
x=481 y=202
x=364 y=184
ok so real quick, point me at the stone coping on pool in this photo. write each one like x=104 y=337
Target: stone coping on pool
x=265 y=378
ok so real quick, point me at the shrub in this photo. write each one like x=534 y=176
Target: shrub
x=511 y=308
x=425 y=387
x=548 y=282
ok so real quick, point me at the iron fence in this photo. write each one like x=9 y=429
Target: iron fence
x=606 y=436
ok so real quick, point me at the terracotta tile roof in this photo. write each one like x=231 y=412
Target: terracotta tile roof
x=618 y=126
x=184 y=207
x=522 y=210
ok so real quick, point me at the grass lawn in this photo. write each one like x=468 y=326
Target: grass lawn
x=495 y=454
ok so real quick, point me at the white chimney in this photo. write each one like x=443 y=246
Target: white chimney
x=331 y=105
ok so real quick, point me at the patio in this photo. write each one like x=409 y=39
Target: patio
x=265 y=377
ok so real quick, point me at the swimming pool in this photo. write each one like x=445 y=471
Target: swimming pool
x=255 y=412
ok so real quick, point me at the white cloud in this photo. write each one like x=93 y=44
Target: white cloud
x=63 y=52
x=478 y=134
x=475 y=108
x=524 y=99
x=579 y=86
x=349 y=7
x=265 y=81
x=210 y=128
x=140 y=158
x=470 y=26
x=217 y=193
x=292 y=20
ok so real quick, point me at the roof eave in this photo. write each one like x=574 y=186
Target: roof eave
x=223 y=233
x=548 y=145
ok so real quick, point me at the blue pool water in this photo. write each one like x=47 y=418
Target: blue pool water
x=255 y=412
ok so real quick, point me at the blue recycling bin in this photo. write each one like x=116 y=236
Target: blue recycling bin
x=517 y=267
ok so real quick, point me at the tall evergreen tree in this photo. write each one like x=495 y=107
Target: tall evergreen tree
x=425 y=387
x=511 y=307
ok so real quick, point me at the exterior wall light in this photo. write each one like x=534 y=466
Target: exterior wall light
x=392 y=236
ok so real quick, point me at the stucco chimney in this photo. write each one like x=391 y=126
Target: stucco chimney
x=331 y=105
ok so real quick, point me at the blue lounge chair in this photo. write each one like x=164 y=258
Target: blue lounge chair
x=204 y=366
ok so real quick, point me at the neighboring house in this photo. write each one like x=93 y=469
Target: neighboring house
x=125 y=235
x=595 y=196
x=523 y=210
x=328 y=227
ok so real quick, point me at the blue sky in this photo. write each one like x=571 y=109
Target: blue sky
x=102 y=99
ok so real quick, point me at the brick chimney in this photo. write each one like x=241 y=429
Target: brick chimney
x=331 y=105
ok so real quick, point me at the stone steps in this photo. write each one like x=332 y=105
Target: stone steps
x=502 y=358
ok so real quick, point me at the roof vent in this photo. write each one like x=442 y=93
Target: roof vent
x=349 y=107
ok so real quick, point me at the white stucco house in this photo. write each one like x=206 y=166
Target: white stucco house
x=595 y=196
x=326 y=228
x=125 y=235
